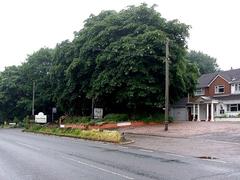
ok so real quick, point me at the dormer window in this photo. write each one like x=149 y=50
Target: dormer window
x=219 y=89
x=237 y=87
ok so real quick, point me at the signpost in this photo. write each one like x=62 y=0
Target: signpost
x=54 y=111
x=41 y=118
x=98 y=113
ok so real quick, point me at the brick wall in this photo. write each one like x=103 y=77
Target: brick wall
x=210 y=91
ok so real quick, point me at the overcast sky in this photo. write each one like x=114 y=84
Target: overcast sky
x=28 y=25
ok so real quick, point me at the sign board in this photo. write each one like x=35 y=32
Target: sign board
x=54 y=110
x=98 y=113
x=41 y=118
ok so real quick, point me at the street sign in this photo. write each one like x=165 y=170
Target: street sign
x=98 y=113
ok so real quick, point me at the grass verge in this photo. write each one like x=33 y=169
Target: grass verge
x=96 y=135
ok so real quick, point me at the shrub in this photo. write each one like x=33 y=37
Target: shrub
x=156 y=117
x=77 y=119
x=115 y=117
x=109 y=136
x=26 y=122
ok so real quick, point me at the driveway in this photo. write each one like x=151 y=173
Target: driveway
x=220 y=140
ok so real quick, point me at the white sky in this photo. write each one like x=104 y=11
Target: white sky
x=28 y=25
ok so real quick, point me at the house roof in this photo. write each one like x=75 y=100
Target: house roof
x=231 y=76
x=228 y=97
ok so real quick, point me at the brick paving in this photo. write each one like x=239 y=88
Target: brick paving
x=186 y=129
x=215 y=139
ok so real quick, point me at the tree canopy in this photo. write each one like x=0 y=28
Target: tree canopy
x=205 y=63
x=116 y=60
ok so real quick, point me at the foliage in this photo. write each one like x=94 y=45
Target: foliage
x=205 y=63
x=115 y=117
x=108 y=136
x=156 y=117
x=77 y=119
x=116 y=61
x=26 y=122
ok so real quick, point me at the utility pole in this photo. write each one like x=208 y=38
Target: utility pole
x=93 y=107
x=166 y=85
x=33 y=98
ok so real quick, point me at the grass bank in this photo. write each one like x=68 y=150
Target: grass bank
x=96 y=135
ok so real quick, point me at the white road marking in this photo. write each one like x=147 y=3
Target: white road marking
x=176 y=155
x=124 y=147
x=146 y=150
x=29 y=146
x=214 y=160
x=99 y=168
x=225 y=142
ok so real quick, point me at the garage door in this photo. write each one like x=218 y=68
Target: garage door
x=180 y=114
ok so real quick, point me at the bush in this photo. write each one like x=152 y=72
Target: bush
x=97 y=135
x=26 y=122
x=77 y=119
x=156 y=117
x=115 y=117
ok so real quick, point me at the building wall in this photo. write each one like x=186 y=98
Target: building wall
x=179 y=114
x=224 y=104
x=218 y=81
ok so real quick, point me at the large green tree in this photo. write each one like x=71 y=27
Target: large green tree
x=119 y=59
x=16 y=84
x=205 y=63
x=36 y=69
x=116 y=61
x=9 y=93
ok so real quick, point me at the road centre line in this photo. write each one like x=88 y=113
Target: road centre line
x=29 y=146
x=98 y=168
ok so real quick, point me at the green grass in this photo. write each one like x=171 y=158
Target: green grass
x=96 y=135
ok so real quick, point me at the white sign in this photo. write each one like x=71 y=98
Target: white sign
x=98 y=113
x=54 y=110
x=40 y=118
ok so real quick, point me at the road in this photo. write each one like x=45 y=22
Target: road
x=27 y=156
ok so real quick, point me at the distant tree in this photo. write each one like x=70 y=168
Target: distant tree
x=16 y=83
x=36 y=69
x=205 y=63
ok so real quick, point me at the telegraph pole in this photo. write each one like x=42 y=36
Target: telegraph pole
x=166 y=85
x=33 y=98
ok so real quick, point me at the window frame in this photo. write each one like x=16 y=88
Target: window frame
x=230 y=106
x=219 y=87
x=199 y=93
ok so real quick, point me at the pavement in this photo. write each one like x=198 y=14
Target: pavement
x=219 y=140
x=28 y=156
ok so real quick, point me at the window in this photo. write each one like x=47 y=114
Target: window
x=237 y=88
x=219 y=89
x=233 y=107
x=221 y=111
x=199 y=91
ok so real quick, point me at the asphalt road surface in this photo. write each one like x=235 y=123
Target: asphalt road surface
x=27 y=156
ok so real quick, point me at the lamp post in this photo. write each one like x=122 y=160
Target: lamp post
x=166 y=85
